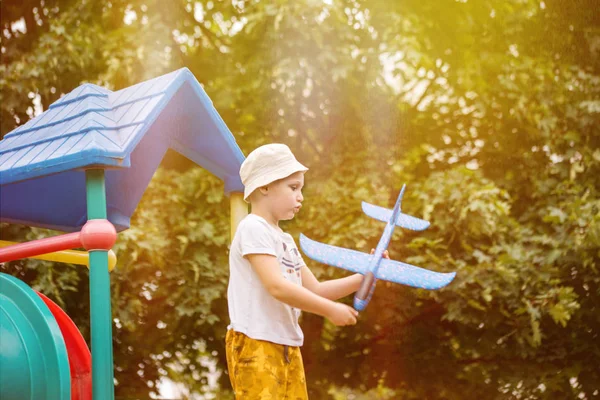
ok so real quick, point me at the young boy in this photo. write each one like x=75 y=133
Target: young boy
x=270 y=284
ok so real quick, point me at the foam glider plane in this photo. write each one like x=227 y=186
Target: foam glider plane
x=374 y=266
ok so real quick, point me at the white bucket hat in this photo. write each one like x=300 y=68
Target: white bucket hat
x=267 y=164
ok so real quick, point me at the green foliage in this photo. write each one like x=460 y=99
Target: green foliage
x=487 y=109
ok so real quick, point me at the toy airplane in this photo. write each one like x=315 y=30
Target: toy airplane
x=374 y=266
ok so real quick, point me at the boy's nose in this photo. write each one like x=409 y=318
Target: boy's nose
x=300 y=197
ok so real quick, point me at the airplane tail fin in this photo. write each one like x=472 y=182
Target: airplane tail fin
x=402 y=220
x=398 y=206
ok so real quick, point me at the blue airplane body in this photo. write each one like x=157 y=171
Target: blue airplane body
x=374 y=266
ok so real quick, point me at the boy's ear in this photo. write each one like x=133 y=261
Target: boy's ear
x=264 y=190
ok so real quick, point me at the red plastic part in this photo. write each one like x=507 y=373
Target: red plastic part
x=80 y=359
x=98 y=234
x=40 y=246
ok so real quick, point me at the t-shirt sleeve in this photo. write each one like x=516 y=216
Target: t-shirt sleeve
x=256 y=239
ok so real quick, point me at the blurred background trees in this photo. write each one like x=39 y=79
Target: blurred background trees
x=489 y=110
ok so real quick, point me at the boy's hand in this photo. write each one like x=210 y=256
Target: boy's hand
x=342 y=315
x=386 y=254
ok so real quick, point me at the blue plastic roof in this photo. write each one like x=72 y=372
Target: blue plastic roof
x=43 y=162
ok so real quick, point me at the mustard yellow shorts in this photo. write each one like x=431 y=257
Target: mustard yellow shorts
x=261 y=370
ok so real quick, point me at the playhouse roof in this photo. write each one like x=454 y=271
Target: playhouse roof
x=127 y=132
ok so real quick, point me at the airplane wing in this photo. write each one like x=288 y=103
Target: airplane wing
x=403 y=220
x=406 y=274
x=351 y=260
x=389 y=270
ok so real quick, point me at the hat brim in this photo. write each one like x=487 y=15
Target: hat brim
x=273 y=175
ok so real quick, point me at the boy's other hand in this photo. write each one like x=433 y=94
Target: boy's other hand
x=386 y=254
x=342 y=315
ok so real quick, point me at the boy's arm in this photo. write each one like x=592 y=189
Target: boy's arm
x=335 y=288
x=267 y=269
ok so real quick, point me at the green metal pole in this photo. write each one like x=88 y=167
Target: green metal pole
x=100 y=310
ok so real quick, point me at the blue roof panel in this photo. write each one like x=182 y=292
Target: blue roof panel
x=93 y=126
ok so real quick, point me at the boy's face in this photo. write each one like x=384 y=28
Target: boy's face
x=285 y=196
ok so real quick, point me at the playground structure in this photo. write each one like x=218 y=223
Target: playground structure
x=91 y=156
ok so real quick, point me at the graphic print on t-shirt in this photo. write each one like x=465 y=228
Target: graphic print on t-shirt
x=291 y=260
x=291 y=264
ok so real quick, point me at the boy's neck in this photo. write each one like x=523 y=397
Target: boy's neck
x=267 y=216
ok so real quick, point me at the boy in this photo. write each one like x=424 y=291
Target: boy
x=270 y=284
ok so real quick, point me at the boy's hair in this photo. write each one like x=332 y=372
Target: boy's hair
x=267 y=164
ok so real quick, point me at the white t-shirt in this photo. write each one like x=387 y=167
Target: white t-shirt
x=253 y=311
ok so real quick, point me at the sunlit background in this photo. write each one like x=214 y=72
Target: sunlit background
x=489 y=111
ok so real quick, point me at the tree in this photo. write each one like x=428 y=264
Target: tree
x=488 y=110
